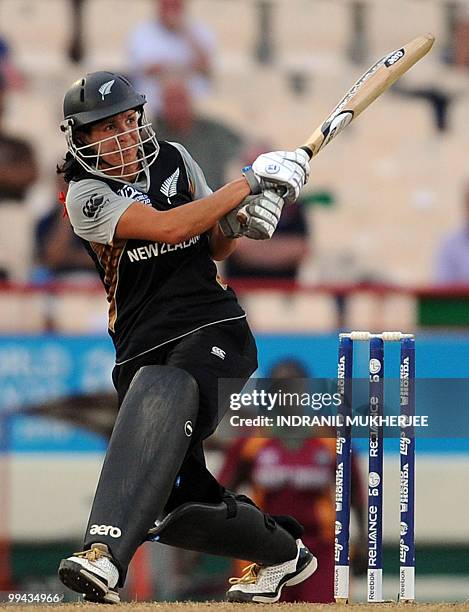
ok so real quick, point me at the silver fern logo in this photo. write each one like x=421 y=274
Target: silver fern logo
x=169 y=188
x=105 y=88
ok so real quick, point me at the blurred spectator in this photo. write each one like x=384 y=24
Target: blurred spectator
x=210 y=142
x=280 y=257
x=461 y=36
x=170 y=43
x=296 y=473
x=18 y=168
x=76 y=44
x=60 y=254
x=452 y=264
x=8 y=70
x=439 y=101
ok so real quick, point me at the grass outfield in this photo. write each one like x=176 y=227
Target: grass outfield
x=229 y=607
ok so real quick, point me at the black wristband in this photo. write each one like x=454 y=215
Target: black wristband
x=252 y=180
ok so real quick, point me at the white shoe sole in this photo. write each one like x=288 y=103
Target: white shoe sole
x=80 y=580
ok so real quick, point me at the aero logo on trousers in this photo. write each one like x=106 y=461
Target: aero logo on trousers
x=105 y=530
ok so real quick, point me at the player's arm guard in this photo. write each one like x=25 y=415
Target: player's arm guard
x=235 y=528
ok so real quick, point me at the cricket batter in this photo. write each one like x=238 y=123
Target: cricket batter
x=153 y=228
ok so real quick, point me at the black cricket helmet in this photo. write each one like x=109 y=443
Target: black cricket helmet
x=95 y=97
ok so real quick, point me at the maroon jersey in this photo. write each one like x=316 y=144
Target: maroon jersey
x=294 y=477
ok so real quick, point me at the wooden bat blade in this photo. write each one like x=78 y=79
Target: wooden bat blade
x=369 y=86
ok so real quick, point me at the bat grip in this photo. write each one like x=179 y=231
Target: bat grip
x=243 y=215
x=307 y=150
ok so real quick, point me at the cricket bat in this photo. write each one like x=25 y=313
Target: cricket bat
x=369 y=86
x=379 y=77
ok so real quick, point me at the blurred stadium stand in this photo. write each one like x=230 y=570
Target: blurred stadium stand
x=397 y=180
x=395 y=193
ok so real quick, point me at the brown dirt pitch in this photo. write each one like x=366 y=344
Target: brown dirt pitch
x=228 y=607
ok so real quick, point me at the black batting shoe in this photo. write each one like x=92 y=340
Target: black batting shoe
x=264 y=584
x=91 y=573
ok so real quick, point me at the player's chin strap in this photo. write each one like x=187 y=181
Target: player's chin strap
x=235 y=528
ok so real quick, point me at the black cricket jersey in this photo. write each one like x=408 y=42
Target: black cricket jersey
x=157 y=292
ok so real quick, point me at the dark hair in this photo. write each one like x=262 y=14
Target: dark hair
x=70 y=168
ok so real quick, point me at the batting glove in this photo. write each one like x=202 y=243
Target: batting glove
x=285 y=171
x=256 y=217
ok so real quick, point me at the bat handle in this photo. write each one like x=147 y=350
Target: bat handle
x=243 y=215
x=307 y=150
